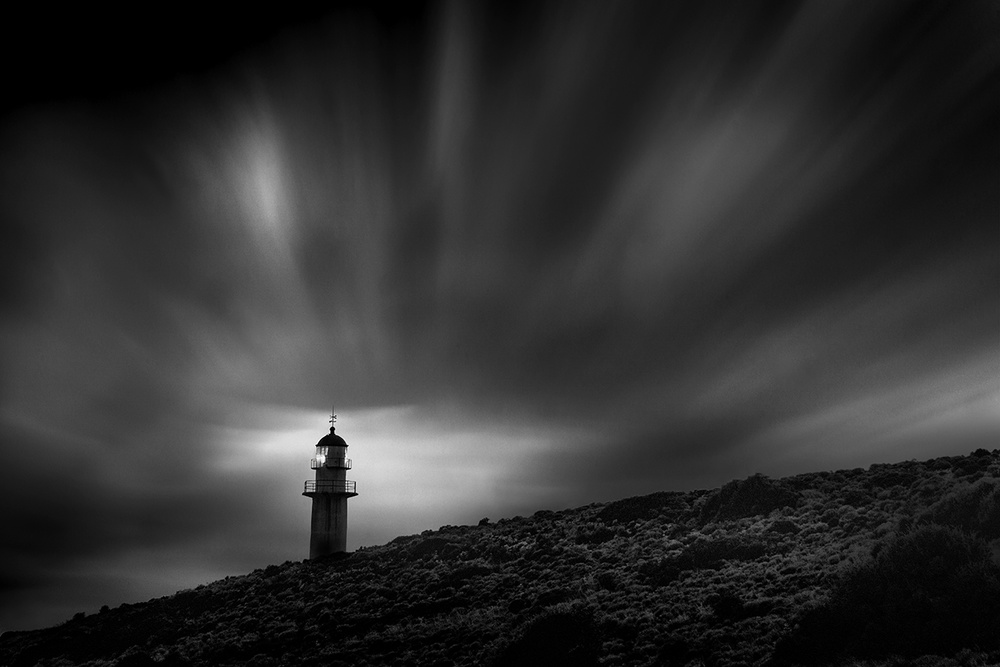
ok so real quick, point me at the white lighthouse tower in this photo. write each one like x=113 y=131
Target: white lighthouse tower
x=329 y=492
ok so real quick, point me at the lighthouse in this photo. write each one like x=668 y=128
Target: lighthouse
x=329 y=492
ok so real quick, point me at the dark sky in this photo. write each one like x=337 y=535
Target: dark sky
x=538 y=254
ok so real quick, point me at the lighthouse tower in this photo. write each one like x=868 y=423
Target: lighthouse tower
x=329 y=492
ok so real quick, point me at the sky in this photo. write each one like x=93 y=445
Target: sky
x=538 y=255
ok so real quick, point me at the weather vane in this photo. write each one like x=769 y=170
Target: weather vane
x=333 y=416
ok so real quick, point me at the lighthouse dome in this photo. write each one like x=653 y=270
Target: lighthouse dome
x=331 y=439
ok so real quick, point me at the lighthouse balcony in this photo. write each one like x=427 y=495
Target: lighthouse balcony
x=324 y=462
x=346 y=487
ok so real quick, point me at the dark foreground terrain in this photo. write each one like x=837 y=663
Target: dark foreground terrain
x=893 y=565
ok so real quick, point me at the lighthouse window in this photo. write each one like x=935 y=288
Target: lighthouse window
x=321 y=455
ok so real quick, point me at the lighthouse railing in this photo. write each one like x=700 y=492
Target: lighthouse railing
x=330 y=463
x=330 y=486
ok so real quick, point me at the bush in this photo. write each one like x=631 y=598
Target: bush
x=661 y=572
x=785 y=527
x=643 y=508
x=559 y=638
x=885 y=479
x=675 y=651
x=857 y=497
x=702 y=554
x=599 y=535
x=135 y=657
x=435 y=546
x=932 y=591
x=726 y=605
x=974 y=508
x=609 y=581
x=970 y=465
x=753 y=496
x=466 y=572
x=712 y=553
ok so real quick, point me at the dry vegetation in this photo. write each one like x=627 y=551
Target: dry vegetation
x=892 y=565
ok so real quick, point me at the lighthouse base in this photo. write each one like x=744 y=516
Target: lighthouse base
x=329 y=525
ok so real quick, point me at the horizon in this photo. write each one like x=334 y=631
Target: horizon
x=540 y=255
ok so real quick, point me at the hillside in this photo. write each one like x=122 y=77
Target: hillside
x=892 y=565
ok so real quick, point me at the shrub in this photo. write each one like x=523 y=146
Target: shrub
x=711 y=553
x=934 y=590
x=135 y=657
x=435 y=546
x=552 y=597
x=660 y=572
x=975 y=508
x=622 y=630
x=465 y=572
x=599 y=535
x=702 y=554
x=970 y=465
x=785 y=527
x=674 y=651
x=885 y=479
x=558 y=638
x=643 y=508
x=726 y=605
x=856 y=497
x=609 y=581
x=755 y=495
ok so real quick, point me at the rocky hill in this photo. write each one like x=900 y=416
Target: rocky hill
x=893 y=565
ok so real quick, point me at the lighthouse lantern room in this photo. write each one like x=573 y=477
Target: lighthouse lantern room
x=329 y=492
